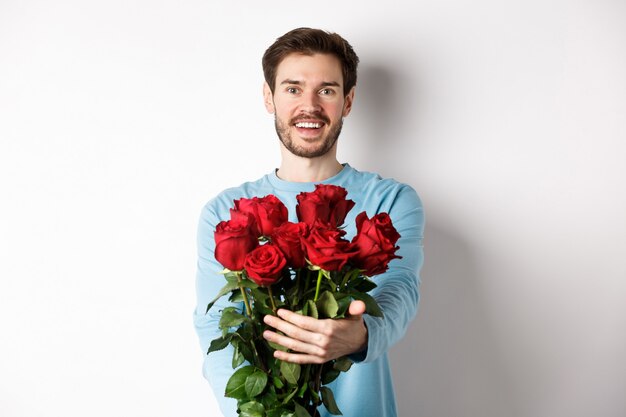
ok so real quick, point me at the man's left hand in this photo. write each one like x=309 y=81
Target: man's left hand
x=317 y=341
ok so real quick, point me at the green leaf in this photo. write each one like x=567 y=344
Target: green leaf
x=251 y=414
x=330 y=375
x=291 y=372
x=231 y=278
x=253 y=408
x=342 y=364
x=329 y=401
x=365 y=285
x=278 y=412
x=343 y=302
x=246 y=283
x=255 y=383
x=371 y=306
x=327 y=305
x=236 y=385
x=269 y=399
x=276 y=346
x=301 y=411
x=303 y=389
x=244 y=336
x=278 y=383
x=259 y=294
x=238 y=358
x=236 y=297
x=290 y=396
x=292 y=294
x=312 y=309
x=225 y=290
x=231 y=318
x=246 y=332
x=219 y=343
x=247 y=353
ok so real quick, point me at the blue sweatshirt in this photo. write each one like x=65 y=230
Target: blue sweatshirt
x=366 y=390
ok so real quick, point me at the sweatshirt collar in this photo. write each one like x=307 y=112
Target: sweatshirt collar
x=280 y=184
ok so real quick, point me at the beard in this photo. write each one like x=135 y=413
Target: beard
x=284 y=134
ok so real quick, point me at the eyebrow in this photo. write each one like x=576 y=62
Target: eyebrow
x=324 y=84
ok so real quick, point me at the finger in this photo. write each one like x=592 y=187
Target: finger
x=303 y=322
x=291 y=330
x=298 y=358
x=357 y=308
x=293 y=344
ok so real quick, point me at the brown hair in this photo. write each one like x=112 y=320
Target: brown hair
x=309 y=41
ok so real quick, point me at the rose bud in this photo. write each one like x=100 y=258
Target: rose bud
x=326 y=204
x=234 y=239
x=268 y=212
x=374 y=243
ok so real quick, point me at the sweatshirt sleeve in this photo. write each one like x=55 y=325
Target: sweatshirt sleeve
x=217 y=367
x=397 y=291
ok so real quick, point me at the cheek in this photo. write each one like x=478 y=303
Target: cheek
x=283 y=109
x=335 y=109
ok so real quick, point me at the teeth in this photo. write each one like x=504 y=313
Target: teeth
x=309 y=125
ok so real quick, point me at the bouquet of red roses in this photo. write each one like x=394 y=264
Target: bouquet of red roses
x=307 y=267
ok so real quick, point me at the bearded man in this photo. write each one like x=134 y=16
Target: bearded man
x=310 y=80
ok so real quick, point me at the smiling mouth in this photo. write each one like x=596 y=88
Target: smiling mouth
x=308 y=125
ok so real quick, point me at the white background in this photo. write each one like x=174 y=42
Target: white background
x=119 y=119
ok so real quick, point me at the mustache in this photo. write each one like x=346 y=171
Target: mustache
x=308 y=116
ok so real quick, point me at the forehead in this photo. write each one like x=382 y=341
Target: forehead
x=316 y=68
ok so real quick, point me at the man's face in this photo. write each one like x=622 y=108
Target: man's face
x=308 y=103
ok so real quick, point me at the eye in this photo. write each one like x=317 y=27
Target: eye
x=292 y=90
x=327 y=92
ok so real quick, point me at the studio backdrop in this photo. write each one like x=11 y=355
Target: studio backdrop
x=120 y=119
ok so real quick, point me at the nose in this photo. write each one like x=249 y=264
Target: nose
x=310 y=102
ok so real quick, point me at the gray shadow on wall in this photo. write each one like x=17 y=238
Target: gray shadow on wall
x=448 y=364
x=386 y=108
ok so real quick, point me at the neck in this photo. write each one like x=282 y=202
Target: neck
x=297 y=169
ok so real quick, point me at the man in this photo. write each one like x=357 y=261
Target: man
x=310 y=83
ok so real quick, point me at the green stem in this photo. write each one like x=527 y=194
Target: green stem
x=317 y=287
x=244 y=295
x=318 y=379
x=298 y=286
x=269 y=289
x=306 y=281
x=259 y=359
x=347 y=277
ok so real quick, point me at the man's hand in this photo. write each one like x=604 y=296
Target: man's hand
x=317 y=341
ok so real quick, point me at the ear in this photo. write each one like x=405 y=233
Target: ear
x=347 y=105
x=268 y=98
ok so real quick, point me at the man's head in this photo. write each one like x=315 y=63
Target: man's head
x=310 y=80
x=309 y=41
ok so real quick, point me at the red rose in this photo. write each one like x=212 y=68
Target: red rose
x=233 y=240
x=265 y=264
x=375 y=243
x=327 y=204
x=324 y=247
x=288 y=238
x=268 y=212
x=243 y=217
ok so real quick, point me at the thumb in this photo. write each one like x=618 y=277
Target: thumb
x=357 y=308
